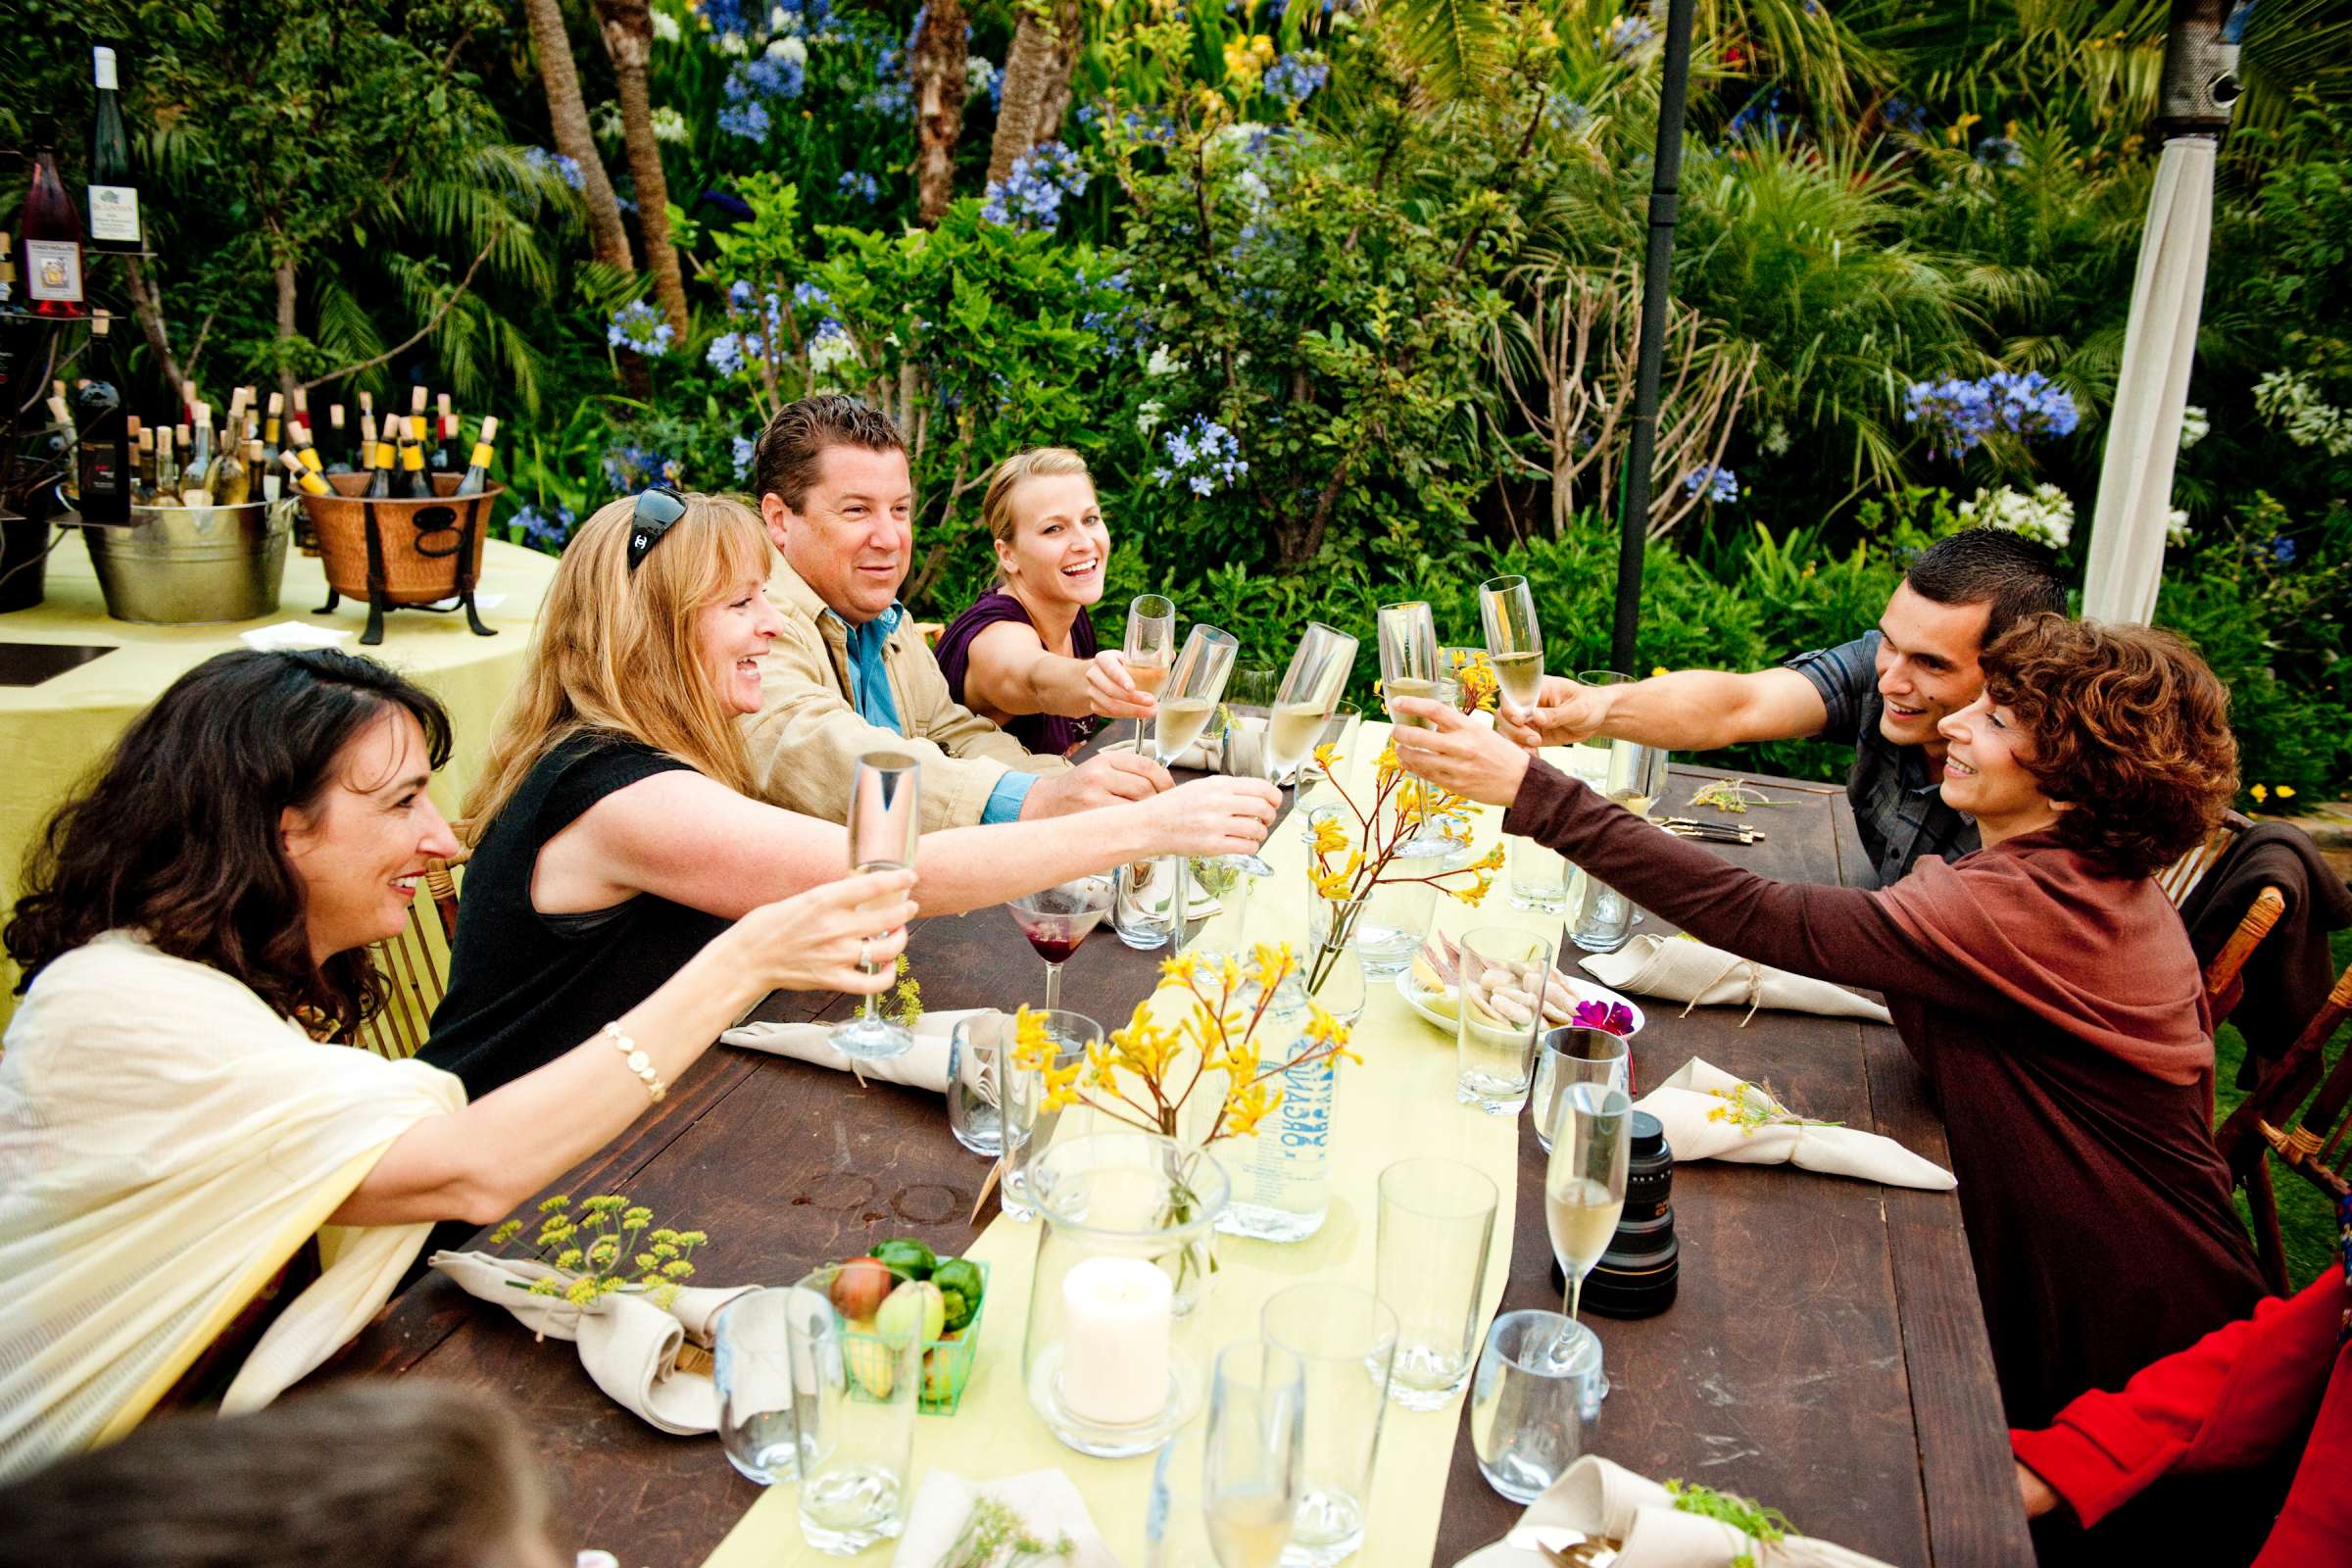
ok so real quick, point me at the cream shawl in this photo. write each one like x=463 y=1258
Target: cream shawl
x=167 y=1143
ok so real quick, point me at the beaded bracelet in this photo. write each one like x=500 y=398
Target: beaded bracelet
x=638 y=1061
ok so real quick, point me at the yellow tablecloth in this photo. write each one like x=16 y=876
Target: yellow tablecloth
x=52 y=734
x=1400 y=1103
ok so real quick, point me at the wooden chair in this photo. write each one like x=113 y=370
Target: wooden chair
x=2181 y=879
x=2221 y=975
x=2306 y=1136
x=413 y=964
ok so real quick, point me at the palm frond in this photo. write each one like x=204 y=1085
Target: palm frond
x=1452 y=45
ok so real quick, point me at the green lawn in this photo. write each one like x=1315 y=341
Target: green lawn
x=2306 y=1220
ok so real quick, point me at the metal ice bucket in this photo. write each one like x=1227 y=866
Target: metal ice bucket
x=181 y=566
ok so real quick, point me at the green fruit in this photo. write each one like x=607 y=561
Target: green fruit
x=907 y=1256
x=915 y=1313
x=962 y=1284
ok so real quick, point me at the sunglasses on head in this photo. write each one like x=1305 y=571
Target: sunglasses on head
x=659 y=508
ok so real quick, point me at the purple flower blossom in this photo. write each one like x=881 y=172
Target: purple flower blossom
x=1293 y=79
x=568 y=168
x=1609 y=1017
x=1720 y=483
x=1032 y=193
x=865 y=188
x=745 y=449
x=1203 y=455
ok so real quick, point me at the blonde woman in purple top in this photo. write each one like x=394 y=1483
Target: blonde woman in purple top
x=1024 y=654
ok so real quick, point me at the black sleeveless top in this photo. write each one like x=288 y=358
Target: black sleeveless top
x=527 y=987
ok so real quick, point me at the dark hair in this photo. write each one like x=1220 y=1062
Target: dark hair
x=176 y=835
x=2125 y=725
x=785 y=460
x=409 y=1474
x=2010 y=574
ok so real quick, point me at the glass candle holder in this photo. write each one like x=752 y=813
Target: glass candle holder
x=1115 y=1357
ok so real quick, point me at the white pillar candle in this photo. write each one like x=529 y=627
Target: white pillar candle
x=1117 y=1323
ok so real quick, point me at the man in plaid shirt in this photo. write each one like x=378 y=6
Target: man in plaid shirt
x=1884 y=694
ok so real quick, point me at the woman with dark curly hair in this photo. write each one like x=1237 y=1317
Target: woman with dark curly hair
x=2044 y=983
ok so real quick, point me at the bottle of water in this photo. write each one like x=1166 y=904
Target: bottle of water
x=1282 y=1174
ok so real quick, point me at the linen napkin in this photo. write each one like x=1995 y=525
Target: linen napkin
x=1696 y=1105
x=628 y=1344
x=1597 y=1497
x=1682 y=970
x=293 y=634
x=922 y=1066
x=1046 y=1499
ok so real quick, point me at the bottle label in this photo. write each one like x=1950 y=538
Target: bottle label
x=115 y=214
x=481 y=454
x=53 y=269
x=414 y=460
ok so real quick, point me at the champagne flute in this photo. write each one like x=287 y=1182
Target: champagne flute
x=1253 y=1454
x=885 y=823
x=1302 y=705
x=1151 y=645
x=1408 y=667
x=1196 y=684
x=1515 y=640
x=1057 y=919
x=1584 y=1180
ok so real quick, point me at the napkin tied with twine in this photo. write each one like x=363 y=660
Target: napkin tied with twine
x=1709 y=1115
x=925 y=1066
x=1682 y=970
x=1599 y=1498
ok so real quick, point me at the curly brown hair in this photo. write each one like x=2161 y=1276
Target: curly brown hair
x=2124 y=725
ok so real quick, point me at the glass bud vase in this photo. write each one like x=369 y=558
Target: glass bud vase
x=1117 y=1350
x=1282 y=1172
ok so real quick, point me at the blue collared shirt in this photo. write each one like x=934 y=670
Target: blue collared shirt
x=869 y=695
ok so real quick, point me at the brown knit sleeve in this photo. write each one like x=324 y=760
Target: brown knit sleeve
x=1843 y=935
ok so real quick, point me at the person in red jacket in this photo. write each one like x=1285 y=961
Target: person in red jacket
x=2237 y=1400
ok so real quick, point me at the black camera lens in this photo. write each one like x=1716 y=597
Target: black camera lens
x=1636 y=1276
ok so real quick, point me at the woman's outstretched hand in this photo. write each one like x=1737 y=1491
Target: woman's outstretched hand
x=1456 y=754
x=1113 y=692
x=843 y=936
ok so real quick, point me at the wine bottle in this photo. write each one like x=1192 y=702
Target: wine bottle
x=142 y=461
x=228 y=479
x=446 y=457
x=52 y=233
x=379 y=482
x=416 y=484
x=338 y=441
x=306 y=451
x=309 y=482
x=477 y=470
x=102 y=434
x=165 y=489
x=300 y=412
x=195 y=474
x=57 y=441
x=271 y=428
x=114 y=194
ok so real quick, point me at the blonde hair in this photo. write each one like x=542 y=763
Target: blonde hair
x=614 y=650
x=996 y=502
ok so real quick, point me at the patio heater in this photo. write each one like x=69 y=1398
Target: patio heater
x=2200 y=83
x=1666 y=169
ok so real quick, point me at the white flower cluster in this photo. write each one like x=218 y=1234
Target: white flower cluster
x=2046 y=514
x=2288 y=398
x=2194 y=426
x=670 y=125
x=2176 y=527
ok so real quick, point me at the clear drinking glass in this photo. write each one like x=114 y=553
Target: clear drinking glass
x=1253 y=1456
x=1057 y=919
x=975 y=1081
x=1506 y=606
x=885 y=823
x=853 y=1395
x=1538 y=1383
x=1345 y=1339
x=753 y=1352
x=1584 y=1180
x=1503 y=976
x=1436 y=1223
x=1637 y=777
x=1151 y=645
x=1296 y=711
x=1539 y=876
x=1028 y=1127
x=1571 y=1055
x=1408 y=662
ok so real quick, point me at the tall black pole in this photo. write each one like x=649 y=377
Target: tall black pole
x=1666 y=164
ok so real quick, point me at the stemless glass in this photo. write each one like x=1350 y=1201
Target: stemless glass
x=1503 y=976
x=1436 y=1223
x=1584 y=1180
x=1346 y=1341
x=1253 y=1456
x=1408 y=667
x=1506 y=606
x=975 y=1081
x=1603 y=918
x=1568 y=1055
x=1057 y=919
x=1151 y=645
x=1027 y=1126
x=853 y=1398
x=1538 y=1383
x=885 y=823
x=752 y=1352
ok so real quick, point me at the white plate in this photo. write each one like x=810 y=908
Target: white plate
x=1578 y=986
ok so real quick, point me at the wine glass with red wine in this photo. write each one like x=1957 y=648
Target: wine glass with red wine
x=1057 y=919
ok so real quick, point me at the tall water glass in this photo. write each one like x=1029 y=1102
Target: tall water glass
x=1637 y=777
x=1503 y=976
x=1539 y=875
x=1436 y=1223
x=853 y=1395
x=1151 y=645
x=1028 y=1125
x=1537 y=1386
x=1345 y=1339
x=1571 y=1055
x=1253 y=1456
x=751 y=1349
x=885 y=824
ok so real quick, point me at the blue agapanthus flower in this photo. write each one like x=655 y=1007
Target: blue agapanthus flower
x=2283 y=550
x=639 y=327
x=2001 y=150
x=745 y=449
x=1626 y=35
x=1032 y=193
x=1293 y=79
x=630 y=469
x=1720 y=483
x=1202 y=457
x=1957 y=414
x=730 y=352
x=545 y=530
x=865 y=188
x=568 y=168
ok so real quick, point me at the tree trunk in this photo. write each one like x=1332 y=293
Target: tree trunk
x=629 y=28
x=283 y=276
x=147 y=303
x=560 y=75
x=939 y=86
x=1036 y=84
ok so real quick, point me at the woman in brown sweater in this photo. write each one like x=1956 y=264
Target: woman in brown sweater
x=2043 y=984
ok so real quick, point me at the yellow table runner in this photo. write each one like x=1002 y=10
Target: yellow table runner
x=1400 y=1103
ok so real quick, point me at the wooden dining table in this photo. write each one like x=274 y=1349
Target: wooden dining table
x=1826 y=1353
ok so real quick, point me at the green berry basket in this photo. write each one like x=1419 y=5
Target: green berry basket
x=947 y=1360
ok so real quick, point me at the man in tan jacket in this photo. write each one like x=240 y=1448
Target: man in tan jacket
x=850 y=674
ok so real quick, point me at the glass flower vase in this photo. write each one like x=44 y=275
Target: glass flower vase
x=1281 y=1173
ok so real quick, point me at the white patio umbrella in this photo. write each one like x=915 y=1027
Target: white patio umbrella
x=2144 y=431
